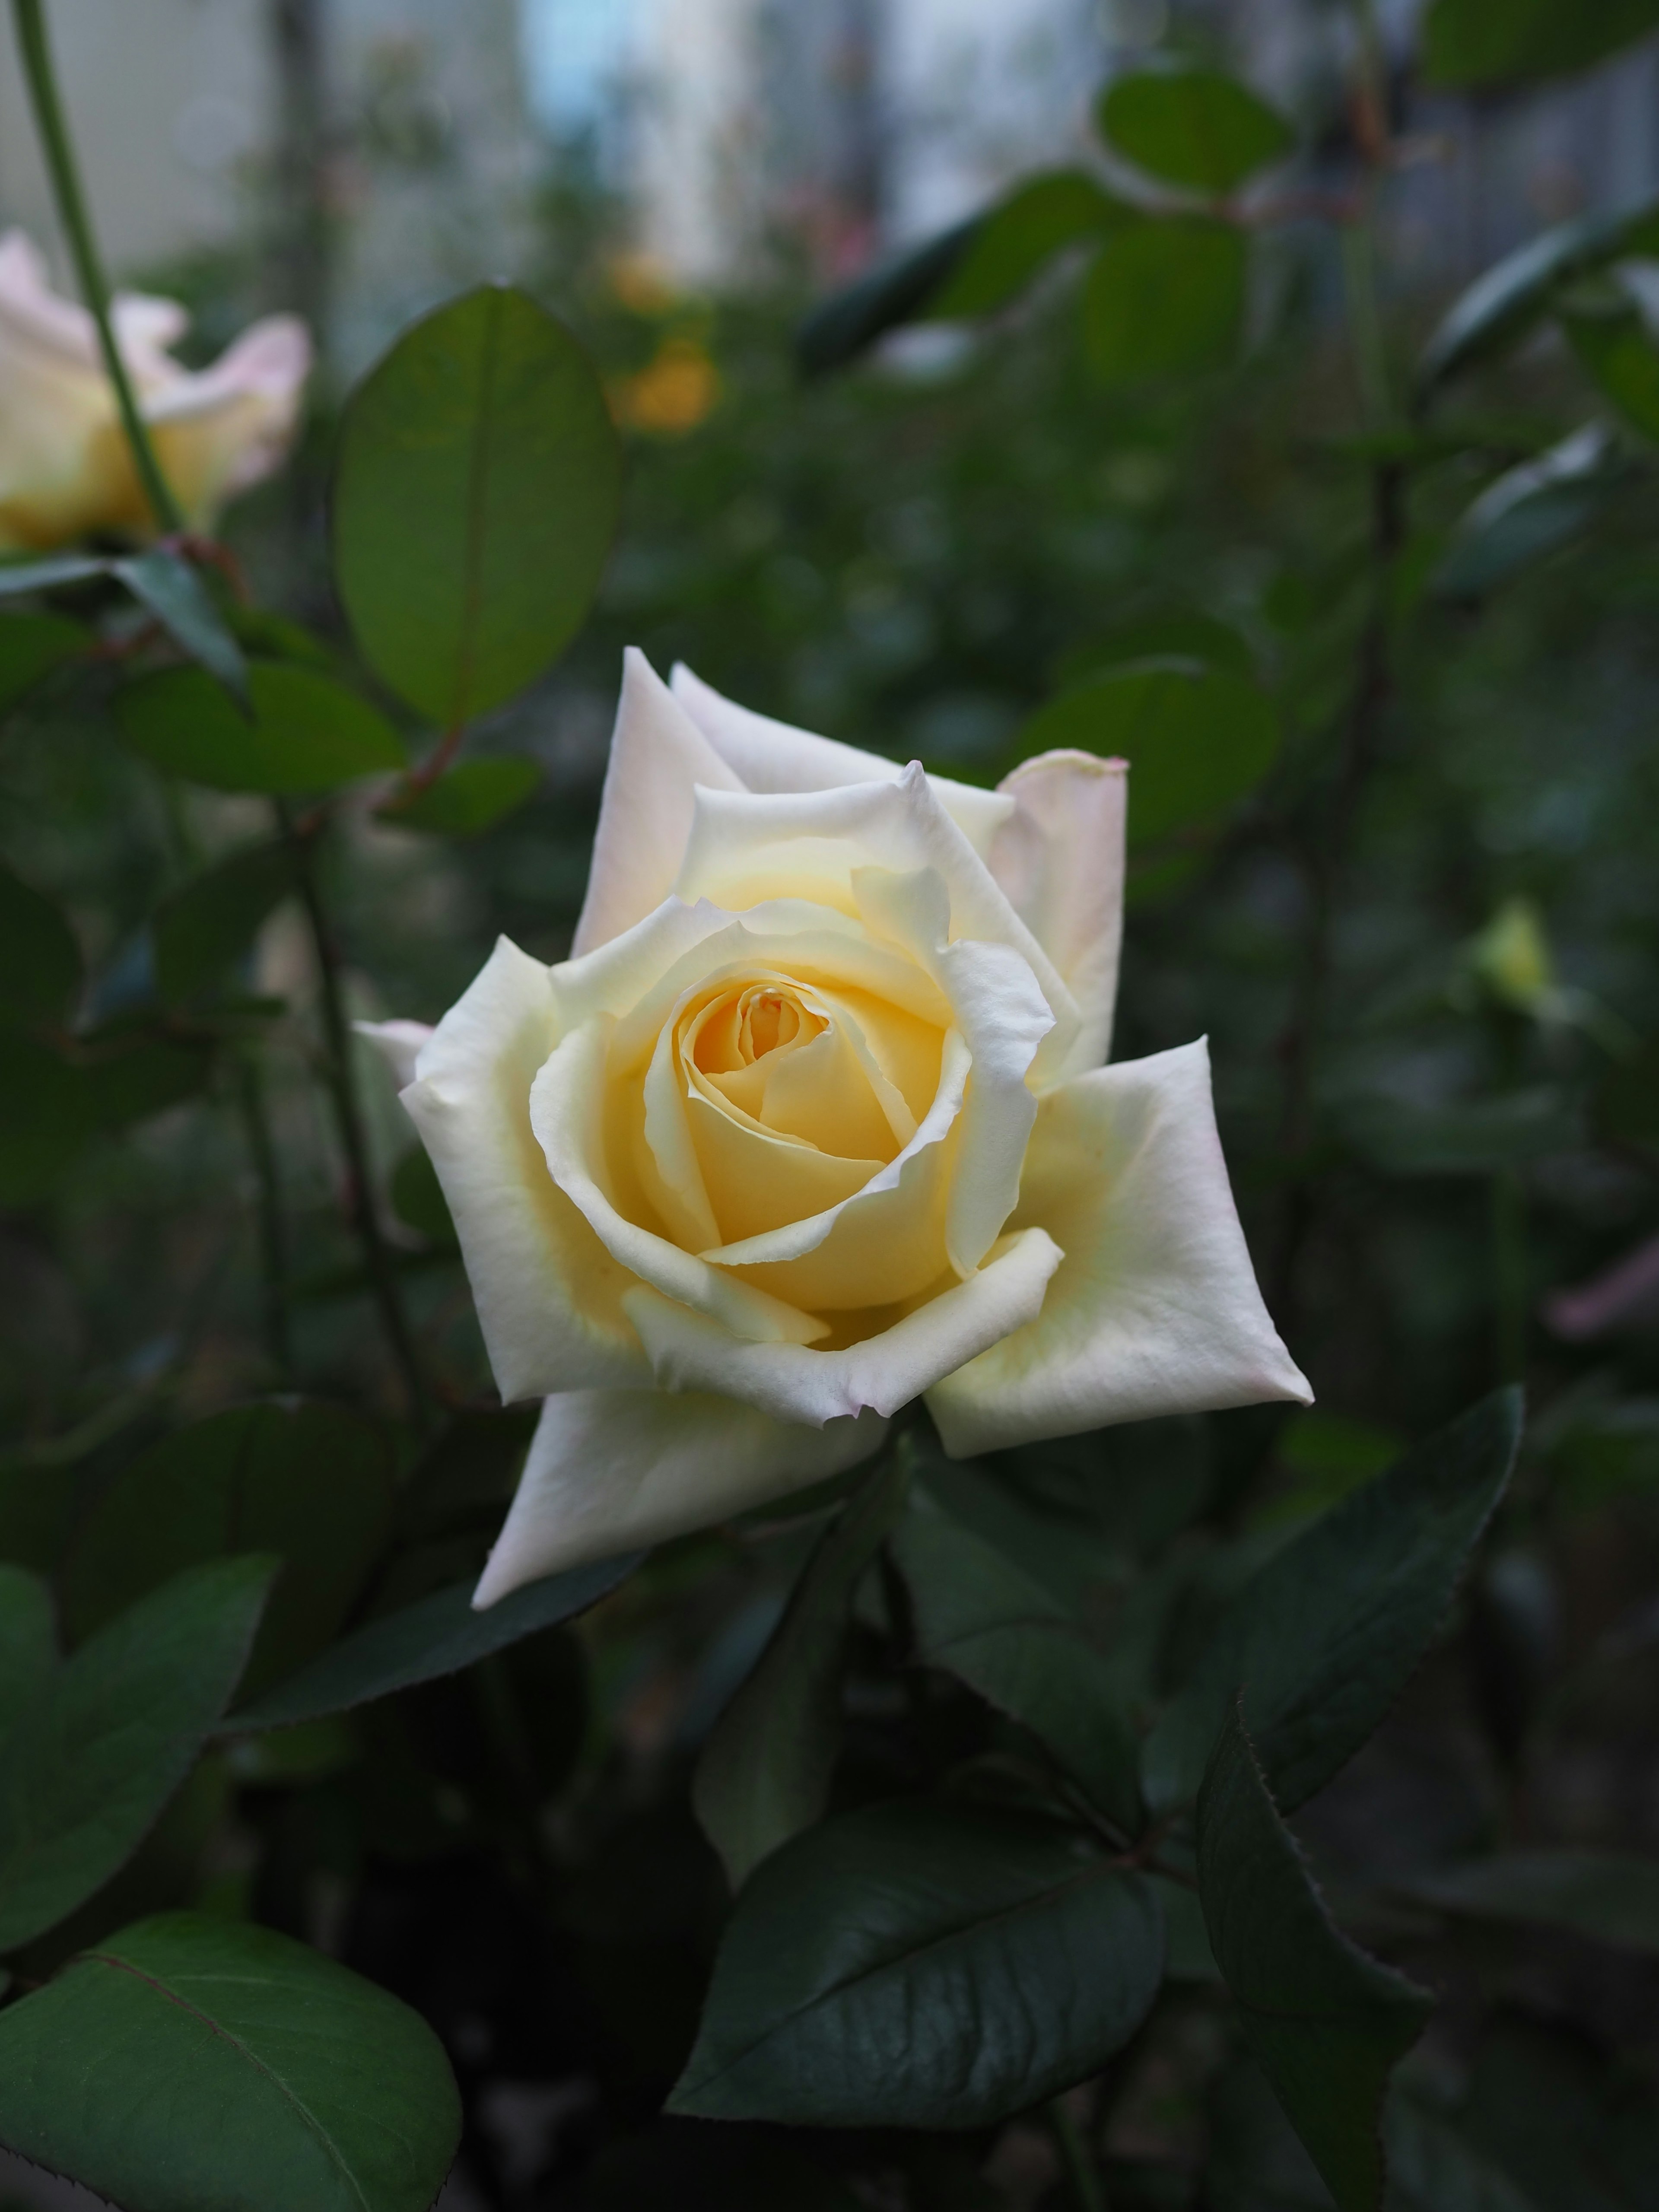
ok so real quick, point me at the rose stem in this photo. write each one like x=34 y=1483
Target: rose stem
x=29 y=19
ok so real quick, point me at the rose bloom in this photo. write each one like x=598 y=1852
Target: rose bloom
x=64 y=467
x=814 y=1121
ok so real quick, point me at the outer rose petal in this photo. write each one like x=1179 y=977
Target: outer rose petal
x=1154 y=1309
x=612 y=1469
x=229 y=426
x=546 y=1291
x=1060 y=862
x=400 y=1043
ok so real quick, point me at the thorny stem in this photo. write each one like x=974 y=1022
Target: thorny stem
x=1087 y=2187
x=35 y=46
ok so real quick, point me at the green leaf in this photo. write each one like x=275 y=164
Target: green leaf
x=48 y=1116
x=1511 y=297
x=197 y=2062
x=1529 y=512
x=1165 y=298
x=20 y=578
x=1016 y=240
x=1178 y=635
x=1196 y=739
x=1471 y=45
x=1027 y=1955
x=764 y=1773
x=1322 y=1639
x=850 y=322
x=175 y=594
x=1432 y=2168
x=475 y=496
x=129 y=1076
x=28 y=1646
x=310 y=1483
x=1192 y=127
x=473 y=796
x=1325 y=2022
x=1614 y=349
x=1611 y=1896
x=40 y=957
x=307 y=733
x=979 y=1619
x=90 y=1763
x=203 y=931
x=439 y=1635
x=31 y=646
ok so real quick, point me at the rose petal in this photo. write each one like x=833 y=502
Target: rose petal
x=691 y=1352
x=609 y=1470
x=400 y=1043
x=1060 y=861
x=1155 y=1308
x=546 y=1289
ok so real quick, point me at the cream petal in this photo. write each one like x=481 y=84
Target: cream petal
x=609 y=1470
x=546 y=1289
x=692 y=1352
x=569 y=1101
x=229 y=426
x=400 y=1043
x=1060 y=861
x=1155 y=1308
x=772 y=756
x=658 y=757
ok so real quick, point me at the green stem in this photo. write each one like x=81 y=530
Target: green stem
x=273 y=1241
x=348 y=1118
x=1082 y=2172
x=32 y=44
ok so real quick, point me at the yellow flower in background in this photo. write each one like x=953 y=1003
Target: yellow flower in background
x=673 y=393
x=65 y=471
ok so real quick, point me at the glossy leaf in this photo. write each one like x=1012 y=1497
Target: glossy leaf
x=1529 y=512
x=39 y=955
x=1196 y=739
x=207 y=927
x=1616 y=350
x=979 y=1619
x=765 y=1770
x=174 y=594
x=311 y=1484
x=1323 y=1637
x=1017 y=239
x=440 y=1635
x=850 y=321
x=473 y=796
x=1192 y=127
x=197 y=2062
x=1030 y=1957
x=1326 y=2023
x=307 y=733
x=90 y=1763
x=475 y=496
x=1164 y=298
x=1470 y=45
x=1611 y=1897
x=31 y=646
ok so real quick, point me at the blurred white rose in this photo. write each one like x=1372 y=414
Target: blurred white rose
x=64 y=467
x=815 y=1121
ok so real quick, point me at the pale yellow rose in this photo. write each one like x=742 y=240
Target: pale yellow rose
x=64 y=467
x=814 y=1122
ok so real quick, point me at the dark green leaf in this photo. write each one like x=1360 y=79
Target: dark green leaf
x=203 y=930
x=1196 y=739
x=439 y=1635
x=475 y=500
x=175 y=594
x=1504 y=303
x=19 y=578
x=202 y=2062
x=418 y=1197
x=91 y=1762
x=1616 y=350
x=1193 y=127
x=1472 y=43
x=467 y=1476
x=1165 y=298
x=47 y=1117
x=471 y=797
x=307 y=733
x=1324 y=1636
x=981 y=1619
x=31 y=646
x=1026 y=1956
x=765 y=1772
x=1611 y=1896
x=1326 y=2022
x=1530 y=511
x=1017 y=239
x=28 y=1646
x=1180 y=635
x=40 y=957
x=849 y=323
x=130 y=1078
x=1256 y=2162
x=1432 y=2168
x=309 y=1483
